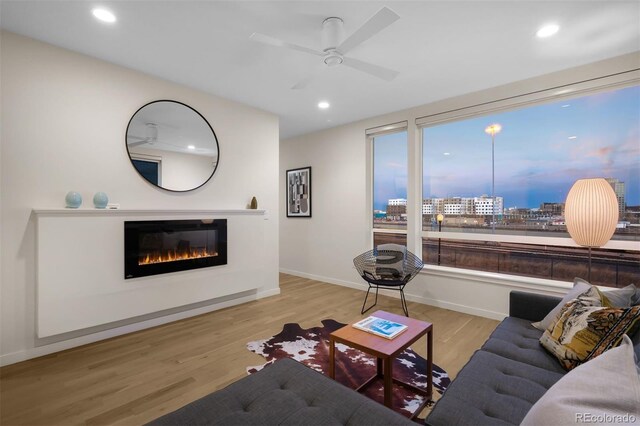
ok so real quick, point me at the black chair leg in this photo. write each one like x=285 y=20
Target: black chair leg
x=365 y=300
x=404 y=302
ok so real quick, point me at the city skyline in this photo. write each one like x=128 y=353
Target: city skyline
x=540 y=152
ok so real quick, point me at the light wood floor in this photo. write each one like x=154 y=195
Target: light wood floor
x=135 y=378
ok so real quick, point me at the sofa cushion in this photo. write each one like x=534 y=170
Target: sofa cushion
x=518 y=340
x=492 y=389
x=285 y=393
x=502 y=380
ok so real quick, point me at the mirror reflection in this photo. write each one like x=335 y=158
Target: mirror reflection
x=172 y=145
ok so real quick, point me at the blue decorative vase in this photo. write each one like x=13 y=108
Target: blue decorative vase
x=100 y=200
x=73 y=200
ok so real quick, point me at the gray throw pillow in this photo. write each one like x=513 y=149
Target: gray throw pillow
x=579 y=287
x=619 y=297
x=605 y=390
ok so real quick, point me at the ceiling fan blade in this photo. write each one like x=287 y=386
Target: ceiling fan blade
x=261 y=38
x=381 y=20
x=375 y=70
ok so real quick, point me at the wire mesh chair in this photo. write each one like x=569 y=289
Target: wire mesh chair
x=390 y=266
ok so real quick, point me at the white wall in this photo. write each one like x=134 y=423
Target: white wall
x=64 y=117
x=323 y=247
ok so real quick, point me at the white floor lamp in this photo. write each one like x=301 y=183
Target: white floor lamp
x=591 y=213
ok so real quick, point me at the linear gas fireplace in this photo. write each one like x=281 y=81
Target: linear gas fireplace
x=162 y=246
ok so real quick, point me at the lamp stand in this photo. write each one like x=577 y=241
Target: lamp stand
x=439 y=240
x=589 y=271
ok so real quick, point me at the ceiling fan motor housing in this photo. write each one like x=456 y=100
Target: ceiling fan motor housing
x=332 y=33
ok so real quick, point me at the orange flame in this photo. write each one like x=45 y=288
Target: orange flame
x=174 y=255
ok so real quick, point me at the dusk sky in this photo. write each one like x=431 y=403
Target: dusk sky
x=540 y=152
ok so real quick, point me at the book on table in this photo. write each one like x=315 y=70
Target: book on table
x=380 y=327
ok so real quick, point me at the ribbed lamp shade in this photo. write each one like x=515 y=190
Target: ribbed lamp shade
x=591 y=212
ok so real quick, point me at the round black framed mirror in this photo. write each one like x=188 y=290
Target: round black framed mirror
x=172 y=146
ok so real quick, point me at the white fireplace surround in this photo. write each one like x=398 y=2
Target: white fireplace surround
x=80 y=268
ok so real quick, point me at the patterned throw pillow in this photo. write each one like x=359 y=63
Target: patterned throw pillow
x=586 y=327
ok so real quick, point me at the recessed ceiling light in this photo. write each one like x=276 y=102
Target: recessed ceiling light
x=446 y=153
x=566 y=105
x=104 y=15
x=573 y=137
x=191 y=147
x=547 y=30
x=323 y=105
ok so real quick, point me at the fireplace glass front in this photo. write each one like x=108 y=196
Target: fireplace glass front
x=163 y=246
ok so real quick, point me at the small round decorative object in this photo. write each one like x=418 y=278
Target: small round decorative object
x=73 y=200
x=100 y=200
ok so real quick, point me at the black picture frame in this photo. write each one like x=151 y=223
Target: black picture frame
x=298 y=191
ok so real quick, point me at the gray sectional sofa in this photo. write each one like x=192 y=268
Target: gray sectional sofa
x=508 y=374
x=498 y=386
x=285 y=393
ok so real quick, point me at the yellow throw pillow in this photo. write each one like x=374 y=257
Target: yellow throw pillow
x=586 y=327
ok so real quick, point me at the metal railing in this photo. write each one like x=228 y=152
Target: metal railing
x=611 y=268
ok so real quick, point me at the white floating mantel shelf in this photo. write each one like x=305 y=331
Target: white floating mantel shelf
x=143 y=212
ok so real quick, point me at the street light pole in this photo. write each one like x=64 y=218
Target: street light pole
x=492 y=129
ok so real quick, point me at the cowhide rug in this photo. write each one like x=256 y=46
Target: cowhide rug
x=353 y=367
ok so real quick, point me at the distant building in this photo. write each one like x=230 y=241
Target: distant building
x=519 y=212
x=619 y=189
x=552 y=209
x=483 y=205
x=453 y=207
x=427 y=206
x=379 y=214
x=397 y=209
x=456 y=206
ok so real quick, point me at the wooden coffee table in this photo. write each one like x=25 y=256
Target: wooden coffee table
x=385 y=351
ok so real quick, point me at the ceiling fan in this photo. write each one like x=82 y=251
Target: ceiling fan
x=151 y=131
x=335 y=46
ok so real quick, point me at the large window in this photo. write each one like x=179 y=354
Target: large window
x=500 y=190
x=390 y=181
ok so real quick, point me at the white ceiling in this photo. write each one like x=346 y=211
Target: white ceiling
x=440 y=48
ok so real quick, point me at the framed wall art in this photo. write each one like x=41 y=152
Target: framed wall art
x=299 y=192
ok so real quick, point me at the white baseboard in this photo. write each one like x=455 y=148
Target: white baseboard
x=411 y=297
x=357 y=286
x=471 y=310
x=38 y=351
